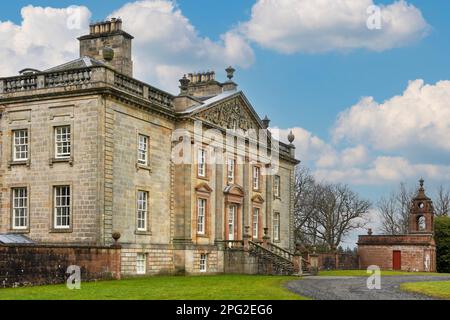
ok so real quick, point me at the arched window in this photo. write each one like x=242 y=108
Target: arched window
x=421 y=223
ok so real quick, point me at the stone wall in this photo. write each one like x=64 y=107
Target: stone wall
x=239 y=262
x=41 y=173
x=338 y=261
x=128 y=177
x=418 y=252
x=47 y=264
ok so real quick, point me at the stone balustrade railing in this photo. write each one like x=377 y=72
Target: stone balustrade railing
x=83 y=78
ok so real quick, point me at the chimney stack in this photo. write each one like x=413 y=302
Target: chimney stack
x=108 y=43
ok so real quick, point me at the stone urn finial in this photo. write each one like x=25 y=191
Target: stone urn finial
x=230 y=72
x=291 y=137
x=116 y=236
x=369 y=231
x=184 y=84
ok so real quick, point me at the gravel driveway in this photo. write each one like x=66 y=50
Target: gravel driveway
x=355 y=288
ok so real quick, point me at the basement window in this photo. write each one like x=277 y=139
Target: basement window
x=141 y=263
x=203 y=262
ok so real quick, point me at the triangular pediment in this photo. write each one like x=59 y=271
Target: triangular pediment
x=258 y=199
x=203 y=187
x=232 y=112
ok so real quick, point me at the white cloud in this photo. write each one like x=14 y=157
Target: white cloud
x=291 y=26
x=383 y=170
x=167 y=45
x=46 y=37
x=418 y=118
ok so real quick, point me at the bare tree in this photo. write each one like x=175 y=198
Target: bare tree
x=304 y=205
x=325 y=213
x=387 y=207
x=404 y=198
x=394 y=210
x=339 y=211
x=442 y=201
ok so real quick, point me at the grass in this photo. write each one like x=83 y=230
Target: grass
x=437 y=289
x=222 y=287
x=363 y=273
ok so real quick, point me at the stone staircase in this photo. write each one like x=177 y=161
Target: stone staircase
x=278 y=260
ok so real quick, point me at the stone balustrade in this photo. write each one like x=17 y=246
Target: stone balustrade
x=84 y=78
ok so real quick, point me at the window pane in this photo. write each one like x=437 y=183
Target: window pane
x=276 y=226
x=62 y=206
x=20 y=145
x=203 y=262
x=143 y=150
x=255 y=222
x=201 y=212
x=142 y=210
x=141 y=263
x=202 y=162
x=231 y=170
x=20 y=208
x=256 y=173
x=62 y=142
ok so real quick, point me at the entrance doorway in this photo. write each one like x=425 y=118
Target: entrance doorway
x=397 y=260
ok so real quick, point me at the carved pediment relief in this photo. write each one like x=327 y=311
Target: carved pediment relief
x=231 y=114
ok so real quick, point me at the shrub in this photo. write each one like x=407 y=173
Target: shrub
x=442 y=237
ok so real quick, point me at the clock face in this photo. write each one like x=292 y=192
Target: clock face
x=421 y=205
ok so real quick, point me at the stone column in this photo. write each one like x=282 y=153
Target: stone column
x=266 y=238
x=314 y=263
x=247 y=238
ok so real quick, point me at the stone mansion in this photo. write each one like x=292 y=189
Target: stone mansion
x=87 y=159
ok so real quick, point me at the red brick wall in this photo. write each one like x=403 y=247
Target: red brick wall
x=45 y=264
x=412 y=256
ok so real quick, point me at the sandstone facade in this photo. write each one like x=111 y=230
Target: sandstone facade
x=111 y=117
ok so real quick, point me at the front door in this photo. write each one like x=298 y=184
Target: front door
x=231 y=221
x=397 y=260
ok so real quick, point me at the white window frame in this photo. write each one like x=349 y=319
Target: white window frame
x=255 y=222
x=201 y=158
x=142 y=210
x=231 y=170
x=20 y=145
x=20 y=208
x=276 y=226
x=277 y=186
x=256 y=177
x=143 y=146
x=63 y=140
x=65 y=208
x=201 y=215
x=141 y=263
x=203 y=263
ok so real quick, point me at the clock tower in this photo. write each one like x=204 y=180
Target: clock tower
x=421 y=219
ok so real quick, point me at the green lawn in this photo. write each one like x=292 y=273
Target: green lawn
x=226 y=287
x=438 y=289
x=363 y=273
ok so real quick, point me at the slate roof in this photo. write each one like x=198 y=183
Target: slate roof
x=15 y=239
x=79 y=63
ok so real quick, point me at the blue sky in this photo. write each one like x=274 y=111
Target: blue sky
x=307 y=88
